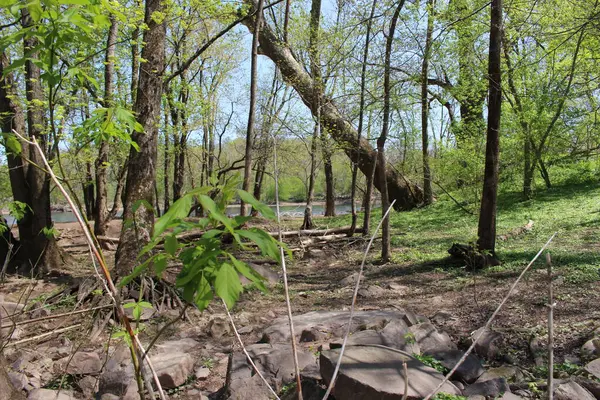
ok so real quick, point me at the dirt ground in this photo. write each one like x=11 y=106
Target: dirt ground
x=314 y=278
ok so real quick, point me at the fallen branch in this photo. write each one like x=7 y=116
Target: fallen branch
x=34 y=320
x=43 y=335
x=489 y=322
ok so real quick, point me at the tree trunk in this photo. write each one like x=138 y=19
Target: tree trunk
x=88 y=192
x=427 y=192
x=487 y=217
x=329 y=182
x=361 y=115
x=407 y=194
x=100 y=220
x=117 y=200
x=167 y=162
x=252 y=111
x=369 y=183
x=308 y=221
x=545 y=174
x=527 y=170
x=385 y=201
x=138 y=219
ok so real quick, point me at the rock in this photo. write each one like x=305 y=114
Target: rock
x=18 y=380
x=349 y=280
x=108 y=396
x=88 y=386
x=202 y=373
x=173 y=369
x=508 y=372
x=246 y=330
x=219 y=327
x=9 y=309
x=120 y=383
x=177 y=346
x=83 y=363
x=490 y=388
x=47 y=394
x=360 y=338
x=331 y=323
x=275 y=363
x=594 y=368
x=430 y=340
x=442 y=317
x=376 y=372
x=510 y=396
x=272 y=277
x=395 y=335
x=487 y=345
x=591 y=348
x=467 y=372
x=371 y=292
x=312 y=335
x=571 y=391
x=396 y=287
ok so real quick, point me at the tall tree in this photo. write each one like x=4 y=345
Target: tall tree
x=487 y=216
x=138 y=215
x=381 y=163
x=427 y=192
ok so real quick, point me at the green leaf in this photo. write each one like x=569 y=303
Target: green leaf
x=129 y=305
x=171 y=245
x=265 y=242
x=228 y=285
x=160 y=265
x=137 y=271
x=212 y=233
x=75 y=2
x=249 y=273
x=209 y=205
x=204 y=294
x=12 y=143
x=265 y=210
x=179 y=210
x=145 y=304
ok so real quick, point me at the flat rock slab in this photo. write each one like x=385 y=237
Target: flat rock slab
x=47 y=394
x=467 y=372
x=331 y=323
x=571 y=391
x=376 y=372
x=83 y=363
x=275 y=363
x=491 y=388
x=594 y=368
x=173 y=369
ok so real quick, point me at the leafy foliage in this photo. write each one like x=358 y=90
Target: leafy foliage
x=209 y=265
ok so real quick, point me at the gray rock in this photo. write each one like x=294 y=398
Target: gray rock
x=376 y=372
x=371 y=292
x=396 y=287
x=430 y=340
x=591 y=386
x=487 y=345
x=219 y=327
x=331 y=323
x=109 y=396
x=177 y=346
x=83 y=363
x=272 y=277
x=395 y=334
x=88 y=386
x=467 y=372
x=18 y=380
x=202 y=373
x=490 y=388
x=273 y=361
x=591 y=348
x=510 y=396
x=47 y=394
x=508 y=372
x=594 y=368
x=173 y=369
x=442 y=317
x=571 y=391
x=120 y=383
x=8 y=309
x=349 y=280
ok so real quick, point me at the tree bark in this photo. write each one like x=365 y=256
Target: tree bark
x=407 y=194
x=427 y=192
x=307 y=223
x=252 y=111
x=487 y=217
x=167 y=163
x=100 y=220
x=138 y=219
x=89 y=193
x=385 y=201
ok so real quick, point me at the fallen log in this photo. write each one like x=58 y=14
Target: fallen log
x=317 y=232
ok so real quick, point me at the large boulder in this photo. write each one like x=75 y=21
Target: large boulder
x=430 y=340
x=83 y=363
x=329 y=323
x=275 y=363
x=594 y=368
x=467 y=372
x=376 y=372
x=571 y=391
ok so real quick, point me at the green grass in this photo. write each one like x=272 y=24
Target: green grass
x=424 y=235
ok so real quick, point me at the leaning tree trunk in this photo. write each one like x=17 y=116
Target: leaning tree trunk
x=138 y=225
x=428 y=193
x=100 y=220
x=487 y=216
x=407 y=194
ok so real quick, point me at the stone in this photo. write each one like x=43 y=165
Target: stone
x=311 y=335
x=429 y=339
x=591 y=386
x=9 y=309
x=202 y=373
x=272 y=277
x=591 y=348
x=491 y=388
x=18 y=380
x=173 y=369
x=275 y=363
x=330 y=323
x=396 y=287
x=594 y=368
x=109 y=396
x=88 y=385
x=571 y=391
x=395 y=335
x=83 y=363
x=442 y=317
x=488 y=344
x=371 y=292
x=467 y=372
x=177 y=346
x=508 y=372
x=349 y=280
x=219 y=327
x=47 y=394
x=510 y=396
x=376 y=372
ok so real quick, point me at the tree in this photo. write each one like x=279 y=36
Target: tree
x=487 y=216
x=427 y=192
x=138 y=215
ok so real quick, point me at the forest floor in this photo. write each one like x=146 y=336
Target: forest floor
x=425 y=279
